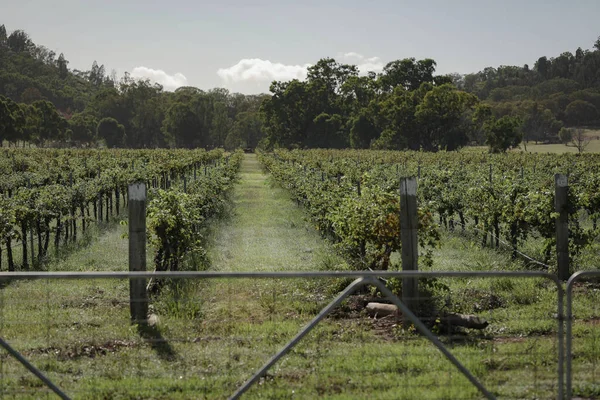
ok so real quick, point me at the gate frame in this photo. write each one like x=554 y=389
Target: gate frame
x=577 y=276
x=362 y=278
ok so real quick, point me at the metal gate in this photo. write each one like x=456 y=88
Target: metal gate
x=362 y=279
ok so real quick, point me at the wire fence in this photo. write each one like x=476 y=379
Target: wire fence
x=583 y=335
x=283 y=335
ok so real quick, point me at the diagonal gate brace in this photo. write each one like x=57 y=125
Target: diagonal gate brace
x=335 y=303
x=33 y=369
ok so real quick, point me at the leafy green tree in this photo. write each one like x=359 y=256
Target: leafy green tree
x=83 y=128
x=220 y=124
x=143 y=109
x=97 y=74
x=444 y=116
x=19 y=41
x=481 y=115
x=62 y=63
x=247 y=131
x=503 y=134
x=407 y=73
x=31 y=95
x=539 y=124
x=395 y=117
x=363 y=130
x=52 y=124
x=331 y=73
x=565 y=135
x=7 y=121
x=182 y=127
x=580 y=112
x=111 y=131
x=3 y=36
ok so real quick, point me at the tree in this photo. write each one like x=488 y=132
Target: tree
x=580 y=112
x=182 y=127
x=503 y=134
x=565 y=135
x=19 y=42
x=221 y=124
x=111 y=131
x=444 y=118
x=332 y=74
x=481 y=115
x=246 y=132
x=51 y=123
x=83 y=128
x=542 y=66
x=31 y=95
x=539 y=124
x=143 y=108
x=3 y=36
x=579 y=139
x=362 y=130
x=7 y=121
x=408 y=73
x=96 y=76
x=61 y=63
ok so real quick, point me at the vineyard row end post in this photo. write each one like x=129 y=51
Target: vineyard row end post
x=408 y=237
x=561 y=188
x=138 y=298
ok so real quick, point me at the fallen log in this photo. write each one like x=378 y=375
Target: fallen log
x=451 y=319
x=464 y=320
x=382 y=310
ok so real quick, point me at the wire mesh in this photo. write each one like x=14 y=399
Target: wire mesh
x=208 y=333
x=583 y=335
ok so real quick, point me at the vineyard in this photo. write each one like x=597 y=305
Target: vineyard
x=65 y=210
x=52 y=196
x=352 y=196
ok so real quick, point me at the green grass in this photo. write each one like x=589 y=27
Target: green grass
x=212 y=335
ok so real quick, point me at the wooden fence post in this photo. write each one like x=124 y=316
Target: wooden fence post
x=410 y=246
x=562 y=225
x=138 y=298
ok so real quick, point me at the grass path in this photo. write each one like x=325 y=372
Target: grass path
x=266 y=231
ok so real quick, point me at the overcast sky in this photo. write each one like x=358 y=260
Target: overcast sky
x=244 y=45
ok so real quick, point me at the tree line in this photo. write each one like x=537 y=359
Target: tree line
x=42 y=101
x=405 y=106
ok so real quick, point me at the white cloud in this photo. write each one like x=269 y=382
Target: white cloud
x=258 y=70
x=363 y=63
x=169 y=82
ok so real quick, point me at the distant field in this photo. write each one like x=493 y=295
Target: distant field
x=593 y=147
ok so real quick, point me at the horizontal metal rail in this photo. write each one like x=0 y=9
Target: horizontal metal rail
x=278 y=274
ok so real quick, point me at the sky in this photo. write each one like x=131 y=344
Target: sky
x=243 y=45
